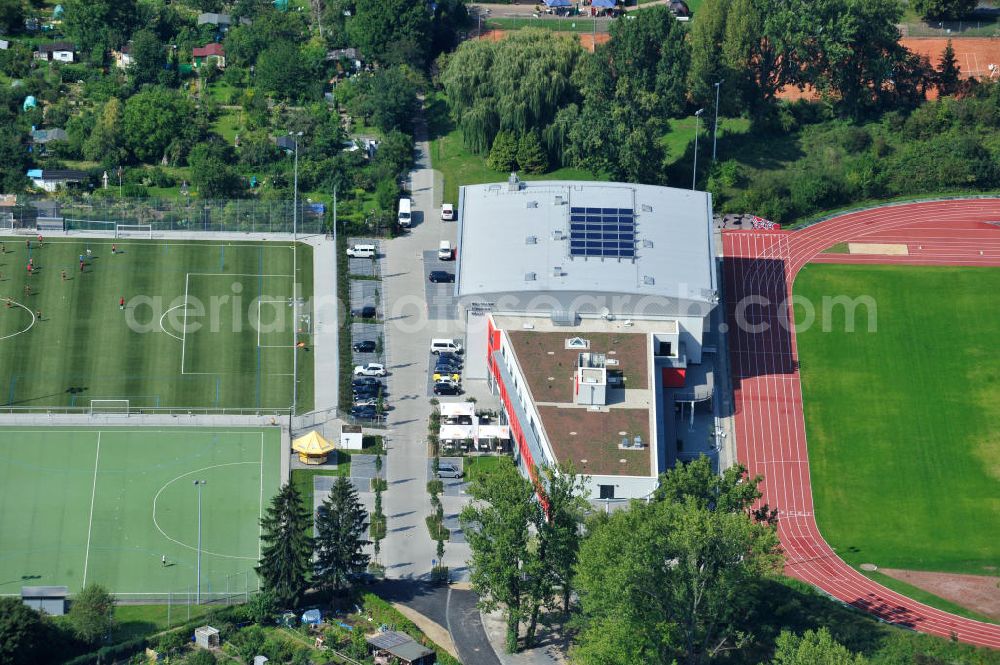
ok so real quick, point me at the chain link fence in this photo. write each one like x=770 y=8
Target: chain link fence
x=228 y=215
x=983 y=26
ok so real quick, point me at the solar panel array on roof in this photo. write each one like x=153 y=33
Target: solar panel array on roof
x=602 y=232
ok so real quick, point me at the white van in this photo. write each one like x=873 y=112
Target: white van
x=450 y=345
x=362 y=251
x=445 y=251
x=405 y=212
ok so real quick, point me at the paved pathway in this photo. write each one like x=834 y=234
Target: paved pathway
x=325 y=312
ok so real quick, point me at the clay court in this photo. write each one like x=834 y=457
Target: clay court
x=587 y=40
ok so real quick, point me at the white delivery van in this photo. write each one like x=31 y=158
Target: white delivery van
x=450 y=345
x=405 y=212
x=362 y=251
x=445 y=251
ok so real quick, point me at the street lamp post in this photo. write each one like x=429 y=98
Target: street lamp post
x=697 y=128
x=715 y=131
x=199 y=484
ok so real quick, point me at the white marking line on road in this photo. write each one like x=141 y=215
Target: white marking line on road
x=90 y=522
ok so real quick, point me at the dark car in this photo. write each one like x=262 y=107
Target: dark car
x=447 y=368
x=365 y=381
x=366 y=312
x=364 y=413
x=366 y=392
x=443 y=388
x=366 y=346
x=441 y=276
x=450 y=357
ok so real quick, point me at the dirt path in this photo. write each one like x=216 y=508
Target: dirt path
x=978 y=593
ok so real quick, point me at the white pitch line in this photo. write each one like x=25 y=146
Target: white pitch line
x=184 y=329
x=93 y=493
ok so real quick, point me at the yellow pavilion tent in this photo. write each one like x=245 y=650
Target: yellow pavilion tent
x=312 y=448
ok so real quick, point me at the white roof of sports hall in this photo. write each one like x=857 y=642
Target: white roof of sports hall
x=528 y=236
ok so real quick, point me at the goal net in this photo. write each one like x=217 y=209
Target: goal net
x=7 y=221
x=133 y=230
x=109 y=407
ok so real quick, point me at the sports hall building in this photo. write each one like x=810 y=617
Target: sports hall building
x=586 y=306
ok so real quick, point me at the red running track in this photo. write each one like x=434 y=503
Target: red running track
x=759 y=268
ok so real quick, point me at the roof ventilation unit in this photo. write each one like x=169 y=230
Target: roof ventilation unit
x=647 y=208
x=531 y=240
x=529 y=277
x=532 y=204
x=557 y=271
x=648 y=280
x=560 y=200
x=648 y=244
x=513 y=183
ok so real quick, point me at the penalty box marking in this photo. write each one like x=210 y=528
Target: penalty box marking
x=183 y=338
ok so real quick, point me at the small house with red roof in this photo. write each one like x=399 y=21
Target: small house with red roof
x=204 y=54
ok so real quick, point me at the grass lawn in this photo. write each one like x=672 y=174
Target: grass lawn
x=206 y=324
x=227 y=125
x=140 y=620
x=104 y=505
x=564 y=24
x=480 y=466
x=902 y=423
x=461 y=167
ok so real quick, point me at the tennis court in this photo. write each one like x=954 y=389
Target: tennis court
x=80 y=505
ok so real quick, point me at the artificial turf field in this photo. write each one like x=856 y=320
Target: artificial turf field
x=80 y=505
x=188 y=337
x=903 y=424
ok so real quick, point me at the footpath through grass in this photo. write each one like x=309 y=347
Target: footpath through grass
x=205 y=324
x=904 y=446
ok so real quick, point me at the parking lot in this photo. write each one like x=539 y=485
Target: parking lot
x=441 y=296
x=366 y=290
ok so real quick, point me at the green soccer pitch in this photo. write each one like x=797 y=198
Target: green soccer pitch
x=904 y=449
x=84 y=505
x=206 y=324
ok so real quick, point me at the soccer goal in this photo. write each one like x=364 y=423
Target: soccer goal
x=109 y=407
x=7 y=222
x=133 y=230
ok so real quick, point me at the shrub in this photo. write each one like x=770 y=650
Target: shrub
x=503 y=154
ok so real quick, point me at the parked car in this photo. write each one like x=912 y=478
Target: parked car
x=359 y=381
x=449 y=471
x=370 y=369
x=367 y=394
x=447 y=388
x=447 y=212
x=365 y=413
x=445 y=251
x=365 y=346
x=445 y=367
x=454 y=376
x=450 y=357
x=366 y=401
x=441 y=276
x=362 y=251
x=366 y=312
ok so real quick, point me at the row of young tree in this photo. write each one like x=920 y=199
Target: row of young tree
x=608 y=111
x=666 y=581
x=292 y=561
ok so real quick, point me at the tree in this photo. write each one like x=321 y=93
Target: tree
x=517 y=85
x=201 y=657
x=13 y=160
x=496 y=525
x=148 y=57
x=757 y=65
x=392 y=31
x=948 y=71
x=98 y=25
x=939 y=10
x=669 y=580
x=708 y=65
x=212 y=171
x=91 y=613
x=280 y=71
x=503 y=154
x=813 y=648
x=11 y=17
x=21 y=632
x=153 y=119
x=287 y=550
x=559 y=532
x=531 y=155
x=341 y=522
x=105 y=143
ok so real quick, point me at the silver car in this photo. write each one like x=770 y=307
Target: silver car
x=449 y=471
